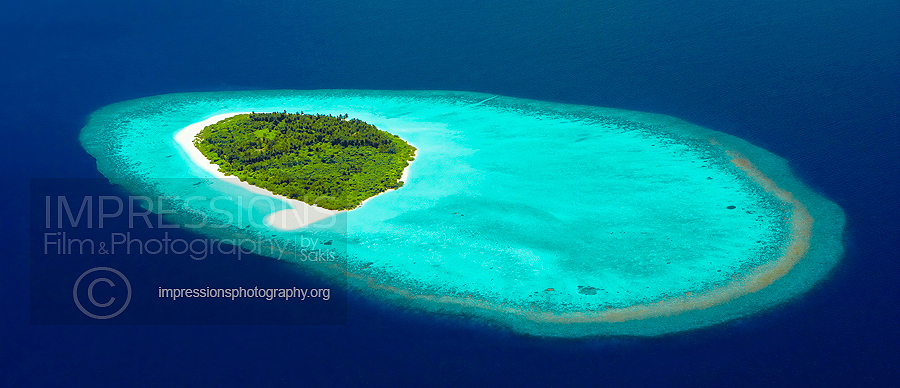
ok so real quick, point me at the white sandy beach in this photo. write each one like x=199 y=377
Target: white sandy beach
x=301 y=214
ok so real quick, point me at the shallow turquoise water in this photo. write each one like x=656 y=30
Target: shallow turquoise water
x=527 y=204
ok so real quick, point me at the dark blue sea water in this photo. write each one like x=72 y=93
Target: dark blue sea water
x=817 y=82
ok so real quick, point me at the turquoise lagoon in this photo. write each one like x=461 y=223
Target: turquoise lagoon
x=548 y=219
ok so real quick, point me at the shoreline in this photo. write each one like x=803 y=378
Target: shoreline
x=301 y=214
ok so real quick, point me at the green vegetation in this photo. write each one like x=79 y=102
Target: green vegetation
x=327 y=161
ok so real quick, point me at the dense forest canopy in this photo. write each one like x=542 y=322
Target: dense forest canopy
x=328 y=161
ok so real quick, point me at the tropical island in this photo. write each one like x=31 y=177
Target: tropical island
x=328 y=161
x=549 y=219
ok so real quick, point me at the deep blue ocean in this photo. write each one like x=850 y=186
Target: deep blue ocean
x=816 y=82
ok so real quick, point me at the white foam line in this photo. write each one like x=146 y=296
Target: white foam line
x=483 y=101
